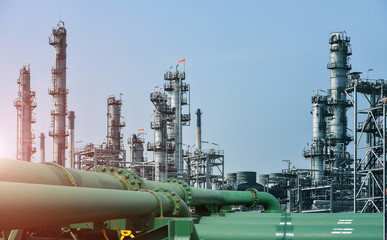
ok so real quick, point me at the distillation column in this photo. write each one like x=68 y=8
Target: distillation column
x=318 y=134
x=59 y=92
x=114 y=124
x=177 y=127
x=159 y=125
x=25 y=104
x=136 y=149
x=339 y=67
x=177 y=90
x=71 y=154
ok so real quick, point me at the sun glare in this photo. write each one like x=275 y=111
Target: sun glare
x=6 y=148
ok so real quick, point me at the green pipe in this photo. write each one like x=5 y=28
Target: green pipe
x=53 y=174
x=365 y=219
x=199 y=196
x=300 y=226
x=268 y=202
x=174 y=187
x=248 y=198
x=34 y=205
x=121 y=179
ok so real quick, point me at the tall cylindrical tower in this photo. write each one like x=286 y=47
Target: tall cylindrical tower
x=339 y=67
x=59 y=93
x=42 y=148
x=114 y=124
x=136 y=149
x=199 y=130
x=177 y=89
x=176 y=129
x=318 y=138
x=25 y=104
x=159 y=125
x=71 y=154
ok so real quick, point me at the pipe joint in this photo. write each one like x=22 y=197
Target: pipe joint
x=255 y=195
x=174 y=198
x=63 y=170
x=185 y=187
x=170 y=204
x=128 y=179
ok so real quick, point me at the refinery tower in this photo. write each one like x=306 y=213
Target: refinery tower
x=59 y=93
x=25 y=104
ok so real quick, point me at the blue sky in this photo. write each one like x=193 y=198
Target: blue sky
x=252 y=66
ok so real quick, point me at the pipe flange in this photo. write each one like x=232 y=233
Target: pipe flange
x=173 y=196
x=255 y=194
x=63 y=170
x=130 y=180
x=185 y=187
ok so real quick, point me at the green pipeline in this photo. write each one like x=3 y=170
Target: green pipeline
x=121 y=179
x=300 y=226
x=25 y=205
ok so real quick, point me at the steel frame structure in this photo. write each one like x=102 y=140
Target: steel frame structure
x=206 y=168
x=369 y=142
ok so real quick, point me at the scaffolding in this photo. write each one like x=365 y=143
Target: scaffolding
x=369 y=144
x=206 y=168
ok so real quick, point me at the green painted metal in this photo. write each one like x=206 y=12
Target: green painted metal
x=53 y=174
x=300 y=226
x=121 y=179
x=35 y=205
x=41 y=195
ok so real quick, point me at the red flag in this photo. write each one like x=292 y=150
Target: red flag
x=182 y=60
x=140 y=129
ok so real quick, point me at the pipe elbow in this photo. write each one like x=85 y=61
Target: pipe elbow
x=269 y=203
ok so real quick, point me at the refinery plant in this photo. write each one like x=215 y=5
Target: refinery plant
x=101 y=191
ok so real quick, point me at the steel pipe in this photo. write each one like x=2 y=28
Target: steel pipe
x=120 y=179
x=301 y=226
x=35 y=205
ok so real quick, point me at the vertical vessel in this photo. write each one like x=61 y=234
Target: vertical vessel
x=42 y=148
x=25 y=104
x=159 y=125
x=340 y=50
x=71 y=155
x=177 y=90
x=198 y=130
x=59 y=93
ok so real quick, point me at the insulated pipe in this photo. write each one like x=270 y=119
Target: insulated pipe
x=34 y=205
x=120 y=179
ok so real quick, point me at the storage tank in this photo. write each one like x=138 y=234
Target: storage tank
x=263 y=179
x=231 y=178
x=274 y=179
x=246 y=177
